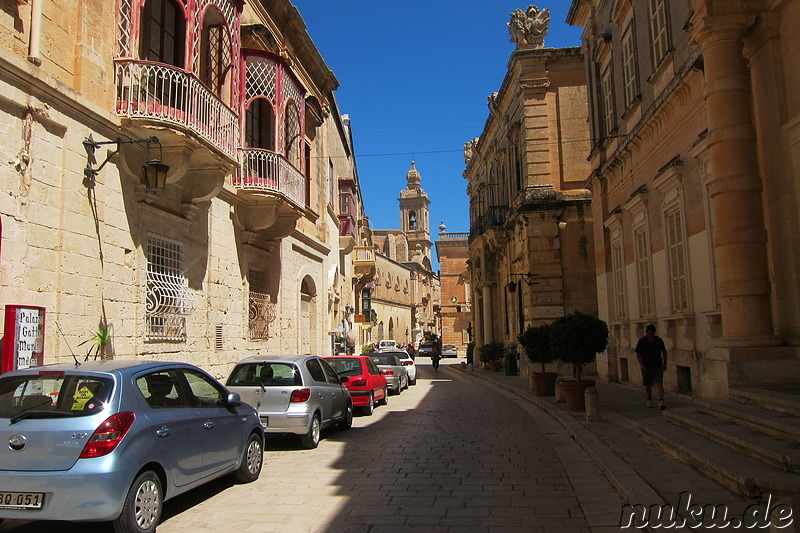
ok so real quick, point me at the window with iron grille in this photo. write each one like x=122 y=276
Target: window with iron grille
x=629 y=66
x=618 y=268
x=643 y=271
x=168 y=299
x=677 y=262
x=606 y=86
x=261 y=309
x=659 y=36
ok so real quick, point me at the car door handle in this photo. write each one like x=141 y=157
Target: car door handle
x=162 y=432
x=208 y=425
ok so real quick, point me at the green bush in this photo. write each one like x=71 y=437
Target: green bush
x=536 y=343
x=577 y=338
x=491 y=352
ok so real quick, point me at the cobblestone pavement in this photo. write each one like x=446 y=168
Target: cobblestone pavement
x=450 y=454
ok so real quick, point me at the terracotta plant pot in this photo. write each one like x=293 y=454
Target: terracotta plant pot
x=573 y=393
x=543 y=383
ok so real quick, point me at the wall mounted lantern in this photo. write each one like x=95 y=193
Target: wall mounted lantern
x=154 y=171
x=511 y=286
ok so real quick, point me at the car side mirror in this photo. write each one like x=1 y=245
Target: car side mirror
x=233 y=399
x=344 y=379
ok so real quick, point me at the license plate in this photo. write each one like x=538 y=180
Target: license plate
x=264 y=421
x=21 y=500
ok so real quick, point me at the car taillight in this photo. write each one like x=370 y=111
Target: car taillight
x=410 y=363
x=300 y=395
x=359 y=383
x=387 y=372
x=108 y=435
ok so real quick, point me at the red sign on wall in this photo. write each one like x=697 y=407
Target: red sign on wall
x=23 y=344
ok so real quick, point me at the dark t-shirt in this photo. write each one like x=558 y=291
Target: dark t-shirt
x=651 y=351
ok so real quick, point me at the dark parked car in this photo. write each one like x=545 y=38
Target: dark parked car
x=111 y=440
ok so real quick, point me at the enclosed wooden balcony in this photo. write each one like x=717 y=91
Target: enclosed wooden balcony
x=364 y=263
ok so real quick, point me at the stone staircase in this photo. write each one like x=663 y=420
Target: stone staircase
x=750 y=443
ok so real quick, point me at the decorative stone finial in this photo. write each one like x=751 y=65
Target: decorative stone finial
x=528 y=28
x=413 y=177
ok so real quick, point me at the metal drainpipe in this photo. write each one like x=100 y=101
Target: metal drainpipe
x=36 y=32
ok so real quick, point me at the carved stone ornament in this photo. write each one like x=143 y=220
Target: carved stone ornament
x=469 y=150
x=528 y=28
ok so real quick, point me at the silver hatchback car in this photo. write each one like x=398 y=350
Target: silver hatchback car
x=389 y=361
x=111 y=440
x=296 y=394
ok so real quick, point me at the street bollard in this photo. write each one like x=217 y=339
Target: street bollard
x=558 y=390
x=592 y=400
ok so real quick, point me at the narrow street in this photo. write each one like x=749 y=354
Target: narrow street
x=449 y=454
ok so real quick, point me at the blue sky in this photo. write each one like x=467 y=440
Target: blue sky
x=415 y=77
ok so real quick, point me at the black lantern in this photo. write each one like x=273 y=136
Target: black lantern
x=154 y=171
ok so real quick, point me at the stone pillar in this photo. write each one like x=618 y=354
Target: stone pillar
x=488 y=324
x=735 y=187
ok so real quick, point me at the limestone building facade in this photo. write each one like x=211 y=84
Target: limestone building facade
x=531 y=253
x=452 y=251
x=243 y=251
x=695 y=158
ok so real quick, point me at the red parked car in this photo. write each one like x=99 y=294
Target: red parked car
x=366 y=384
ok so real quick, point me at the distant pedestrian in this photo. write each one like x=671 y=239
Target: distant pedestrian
x=435 y=356
x=652 y=356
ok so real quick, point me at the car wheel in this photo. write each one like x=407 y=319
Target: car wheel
x=385 y=400
x=412 y=381
x=252 y=460
x=311 y=439
x=141 y=510
x=347 y=420
x=368 y=409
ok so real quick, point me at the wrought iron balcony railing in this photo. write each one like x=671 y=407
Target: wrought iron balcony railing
x=493 y=217
x=166 y=93
x=266 y=171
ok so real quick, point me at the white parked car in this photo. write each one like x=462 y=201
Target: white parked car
x=449 y=350
x=411 y=368
x=387 y=345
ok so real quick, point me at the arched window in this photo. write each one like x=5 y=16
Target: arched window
x=215 y=54
x=260 y=125
x=412 y=220
x=163 y=32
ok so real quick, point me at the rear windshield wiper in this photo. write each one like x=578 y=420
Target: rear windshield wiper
x=32 y=413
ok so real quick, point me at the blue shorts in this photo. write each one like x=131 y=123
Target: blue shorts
x=652 y=375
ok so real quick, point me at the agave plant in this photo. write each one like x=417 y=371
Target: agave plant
x=100 y=342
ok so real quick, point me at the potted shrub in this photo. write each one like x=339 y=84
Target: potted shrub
x=490 y=355
x=576 y=339
x=536 y=343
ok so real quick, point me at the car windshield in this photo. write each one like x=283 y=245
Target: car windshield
x=53 y=395
x=265 y=373
x=346 y=367
x=448 y=346
x=385 y=359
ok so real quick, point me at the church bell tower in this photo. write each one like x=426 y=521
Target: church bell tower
x=414 y=215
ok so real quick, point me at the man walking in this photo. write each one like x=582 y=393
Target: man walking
x=652 y=356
